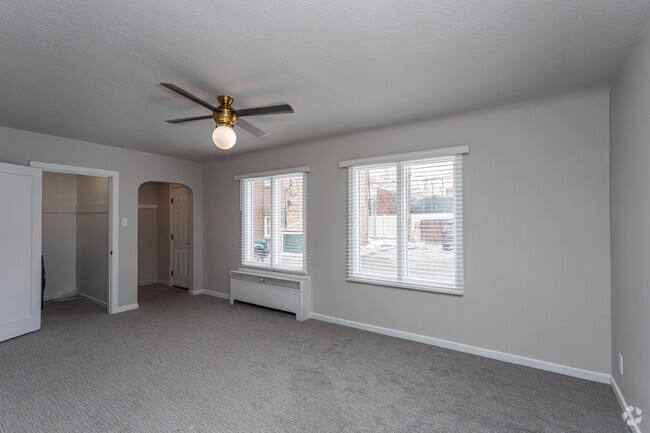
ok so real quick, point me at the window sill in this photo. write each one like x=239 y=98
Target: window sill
x=406 y=285
x=273 y=272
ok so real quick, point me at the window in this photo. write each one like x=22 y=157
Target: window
x=267 y=226
x=405 y=223
x=273 y=221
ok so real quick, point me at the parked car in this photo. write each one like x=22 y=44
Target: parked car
x=261 y=249
x=447 y=237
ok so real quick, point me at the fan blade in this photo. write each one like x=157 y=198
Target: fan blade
x=273 y=109
x=189 y=119
x=188 y=95
x=252 y=129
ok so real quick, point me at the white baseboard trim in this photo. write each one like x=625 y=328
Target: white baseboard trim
x=146 y=283
x=91 y=299
x=217 y=294
x=210 y=293
x=623 y=403
x=487 y=353
x=124 y=308
x=63 y=295
x=163 y=282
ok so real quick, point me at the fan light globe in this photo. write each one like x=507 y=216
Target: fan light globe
x=224 y=137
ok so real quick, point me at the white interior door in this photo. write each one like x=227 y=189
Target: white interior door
x=20 y=250
x=181 y=210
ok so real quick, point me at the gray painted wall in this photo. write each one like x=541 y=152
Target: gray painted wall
x=630 y=227
x=92 y=237
x=19 y=147
x=148 y=193
x=147 y=234
x=537 y=268
x=75 y=235
x=60 y=233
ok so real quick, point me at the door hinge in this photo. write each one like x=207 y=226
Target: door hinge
x=172 y=237
x=172 y=200
x=111 y=252
x=172 y=273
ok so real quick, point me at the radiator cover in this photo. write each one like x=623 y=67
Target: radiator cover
x=284 y=292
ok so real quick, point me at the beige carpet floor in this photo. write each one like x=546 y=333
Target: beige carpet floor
x=197 y=364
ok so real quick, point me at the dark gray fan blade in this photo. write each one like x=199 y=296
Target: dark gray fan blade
x=252 y=129
x=188 y=95
x=273 y=109
x=189 y=119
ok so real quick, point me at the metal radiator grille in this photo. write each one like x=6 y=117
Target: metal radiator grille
x=259 y=279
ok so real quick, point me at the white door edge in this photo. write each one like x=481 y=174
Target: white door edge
x=32 y=321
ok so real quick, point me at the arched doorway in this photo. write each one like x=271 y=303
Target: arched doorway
x=165 y=215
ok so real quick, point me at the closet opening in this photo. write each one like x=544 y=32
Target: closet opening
x=75 y=238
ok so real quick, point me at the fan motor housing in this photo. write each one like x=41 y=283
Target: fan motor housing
x=225 y=115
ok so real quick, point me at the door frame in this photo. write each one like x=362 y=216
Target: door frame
x=190 y=282
x=113 y=220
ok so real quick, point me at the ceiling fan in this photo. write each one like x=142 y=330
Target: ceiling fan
x=226 y=117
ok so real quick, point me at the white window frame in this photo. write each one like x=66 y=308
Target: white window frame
x=247 y=259
x=400 y=161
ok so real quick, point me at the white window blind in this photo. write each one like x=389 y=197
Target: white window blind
x=405 y=223
x=274 y=221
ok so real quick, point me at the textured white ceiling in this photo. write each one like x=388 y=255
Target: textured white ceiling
x=90 y=70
